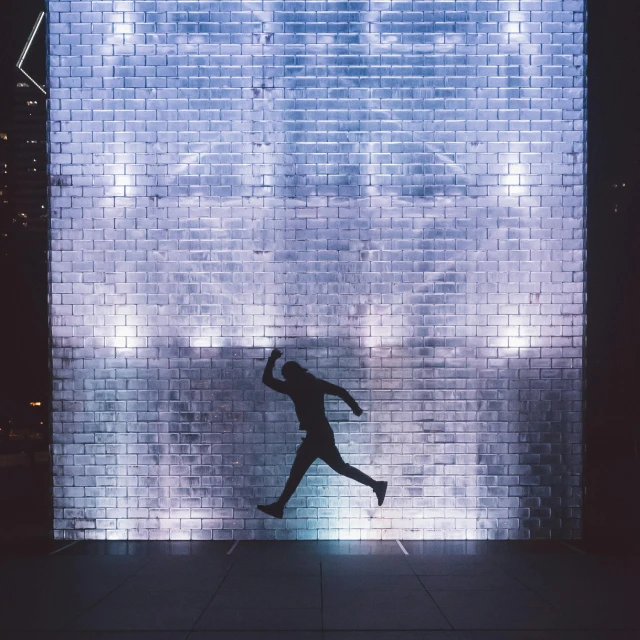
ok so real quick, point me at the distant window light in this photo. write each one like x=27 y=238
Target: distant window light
x=3 y=136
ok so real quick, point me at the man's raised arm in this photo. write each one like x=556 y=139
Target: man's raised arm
x=267 y=376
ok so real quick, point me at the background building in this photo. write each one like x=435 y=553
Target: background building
x=29 y=155
x=5 y=204
x=23 y=221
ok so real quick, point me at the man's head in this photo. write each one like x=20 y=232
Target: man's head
x=292 y=371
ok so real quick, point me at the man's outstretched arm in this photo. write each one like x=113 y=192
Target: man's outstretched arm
x=343 y=394
x=267 y=376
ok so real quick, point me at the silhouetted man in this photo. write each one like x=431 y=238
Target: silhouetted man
x=307 y=393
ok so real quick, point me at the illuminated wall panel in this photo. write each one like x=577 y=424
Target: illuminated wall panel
x=391 y=192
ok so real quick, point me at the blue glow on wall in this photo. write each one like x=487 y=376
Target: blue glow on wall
x=390 y=192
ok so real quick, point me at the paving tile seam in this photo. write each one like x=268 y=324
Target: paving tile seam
x=536 y=591
x=427 y=592
x=215 y=593
x=515 y=577
x=545 y=599
x=406 y=553
x=321 y=601
x=71 y=544
x=233 y=546
x=76 y=618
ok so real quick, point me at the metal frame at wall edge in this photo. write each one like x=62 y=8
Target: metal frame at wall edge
x=585 y=271
x=49 y=294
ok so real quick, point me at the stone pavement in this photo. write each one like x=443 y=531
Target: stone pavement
x=317 y=591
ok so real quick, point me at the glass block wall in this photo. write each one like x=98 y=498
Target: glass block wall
x=391 y=192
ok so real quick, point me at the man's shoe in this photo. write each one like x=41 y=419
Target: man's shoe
x=380 y=491
x=274 y=510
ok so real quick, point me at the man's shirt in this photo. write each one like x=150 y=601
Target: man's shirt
x=308 y=397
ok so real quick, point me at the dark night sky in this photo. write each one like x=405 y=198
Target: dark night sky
x=613 y=154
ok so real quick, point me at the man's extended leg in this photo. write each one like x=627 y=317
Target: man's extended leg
x=332 y=457
x=304 y=459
